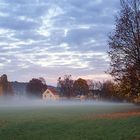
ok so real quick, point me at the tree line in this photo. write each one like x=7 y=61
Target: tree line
x=66 y=87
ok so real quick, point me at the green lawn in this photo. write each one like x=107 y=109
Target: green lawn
x=67 y=123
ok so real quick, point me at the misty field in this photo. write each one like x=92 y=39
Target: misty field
x=70 y=122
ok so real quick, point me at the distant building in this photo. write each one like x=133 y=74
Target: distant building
x=50 y=94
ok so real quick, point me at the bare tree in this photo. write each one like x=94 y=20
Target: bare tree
x=65 y=86
x=124 y=44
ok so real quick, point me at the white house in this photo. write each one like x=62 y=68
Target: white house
x=50 y=95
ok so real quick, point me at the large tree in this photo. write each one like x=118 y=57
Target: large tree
x=124 y=45
x=108 y=91
x=35 y=88
x=5 y=86
x=81 y=87
x=65 y=85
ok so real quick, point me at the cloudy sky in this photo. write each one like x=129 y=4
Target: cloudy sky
x=51 y=38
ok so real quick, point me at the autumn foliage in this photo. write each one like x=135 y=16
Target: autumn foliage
x=5 y=86
x=124 y=45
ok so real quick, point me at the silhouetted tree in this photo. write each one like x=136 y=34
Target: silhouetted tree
x=97 y=89
x=35 y=88
x=5 y=86
x=124 y=44
x=128 y=87
x=91 y=86
x=81 y=87
x=108 y=91
x=65 y=86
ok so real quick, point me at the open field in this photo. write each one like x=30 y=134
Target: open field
x=70 y=122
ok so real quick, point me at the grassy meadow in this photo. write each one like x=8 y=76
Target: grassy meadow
x=69 y=122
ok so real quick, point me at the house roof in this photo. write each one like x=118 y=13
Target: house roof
x=53 y=90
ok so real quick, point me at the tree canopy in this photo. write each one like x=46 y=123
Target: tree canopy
x=81 y=87
x=124 y=47
x=35 y=88
x=65 y=85
x=5 y=86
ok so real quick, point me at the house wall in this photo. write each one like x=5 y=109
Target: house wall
x=48 y=95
